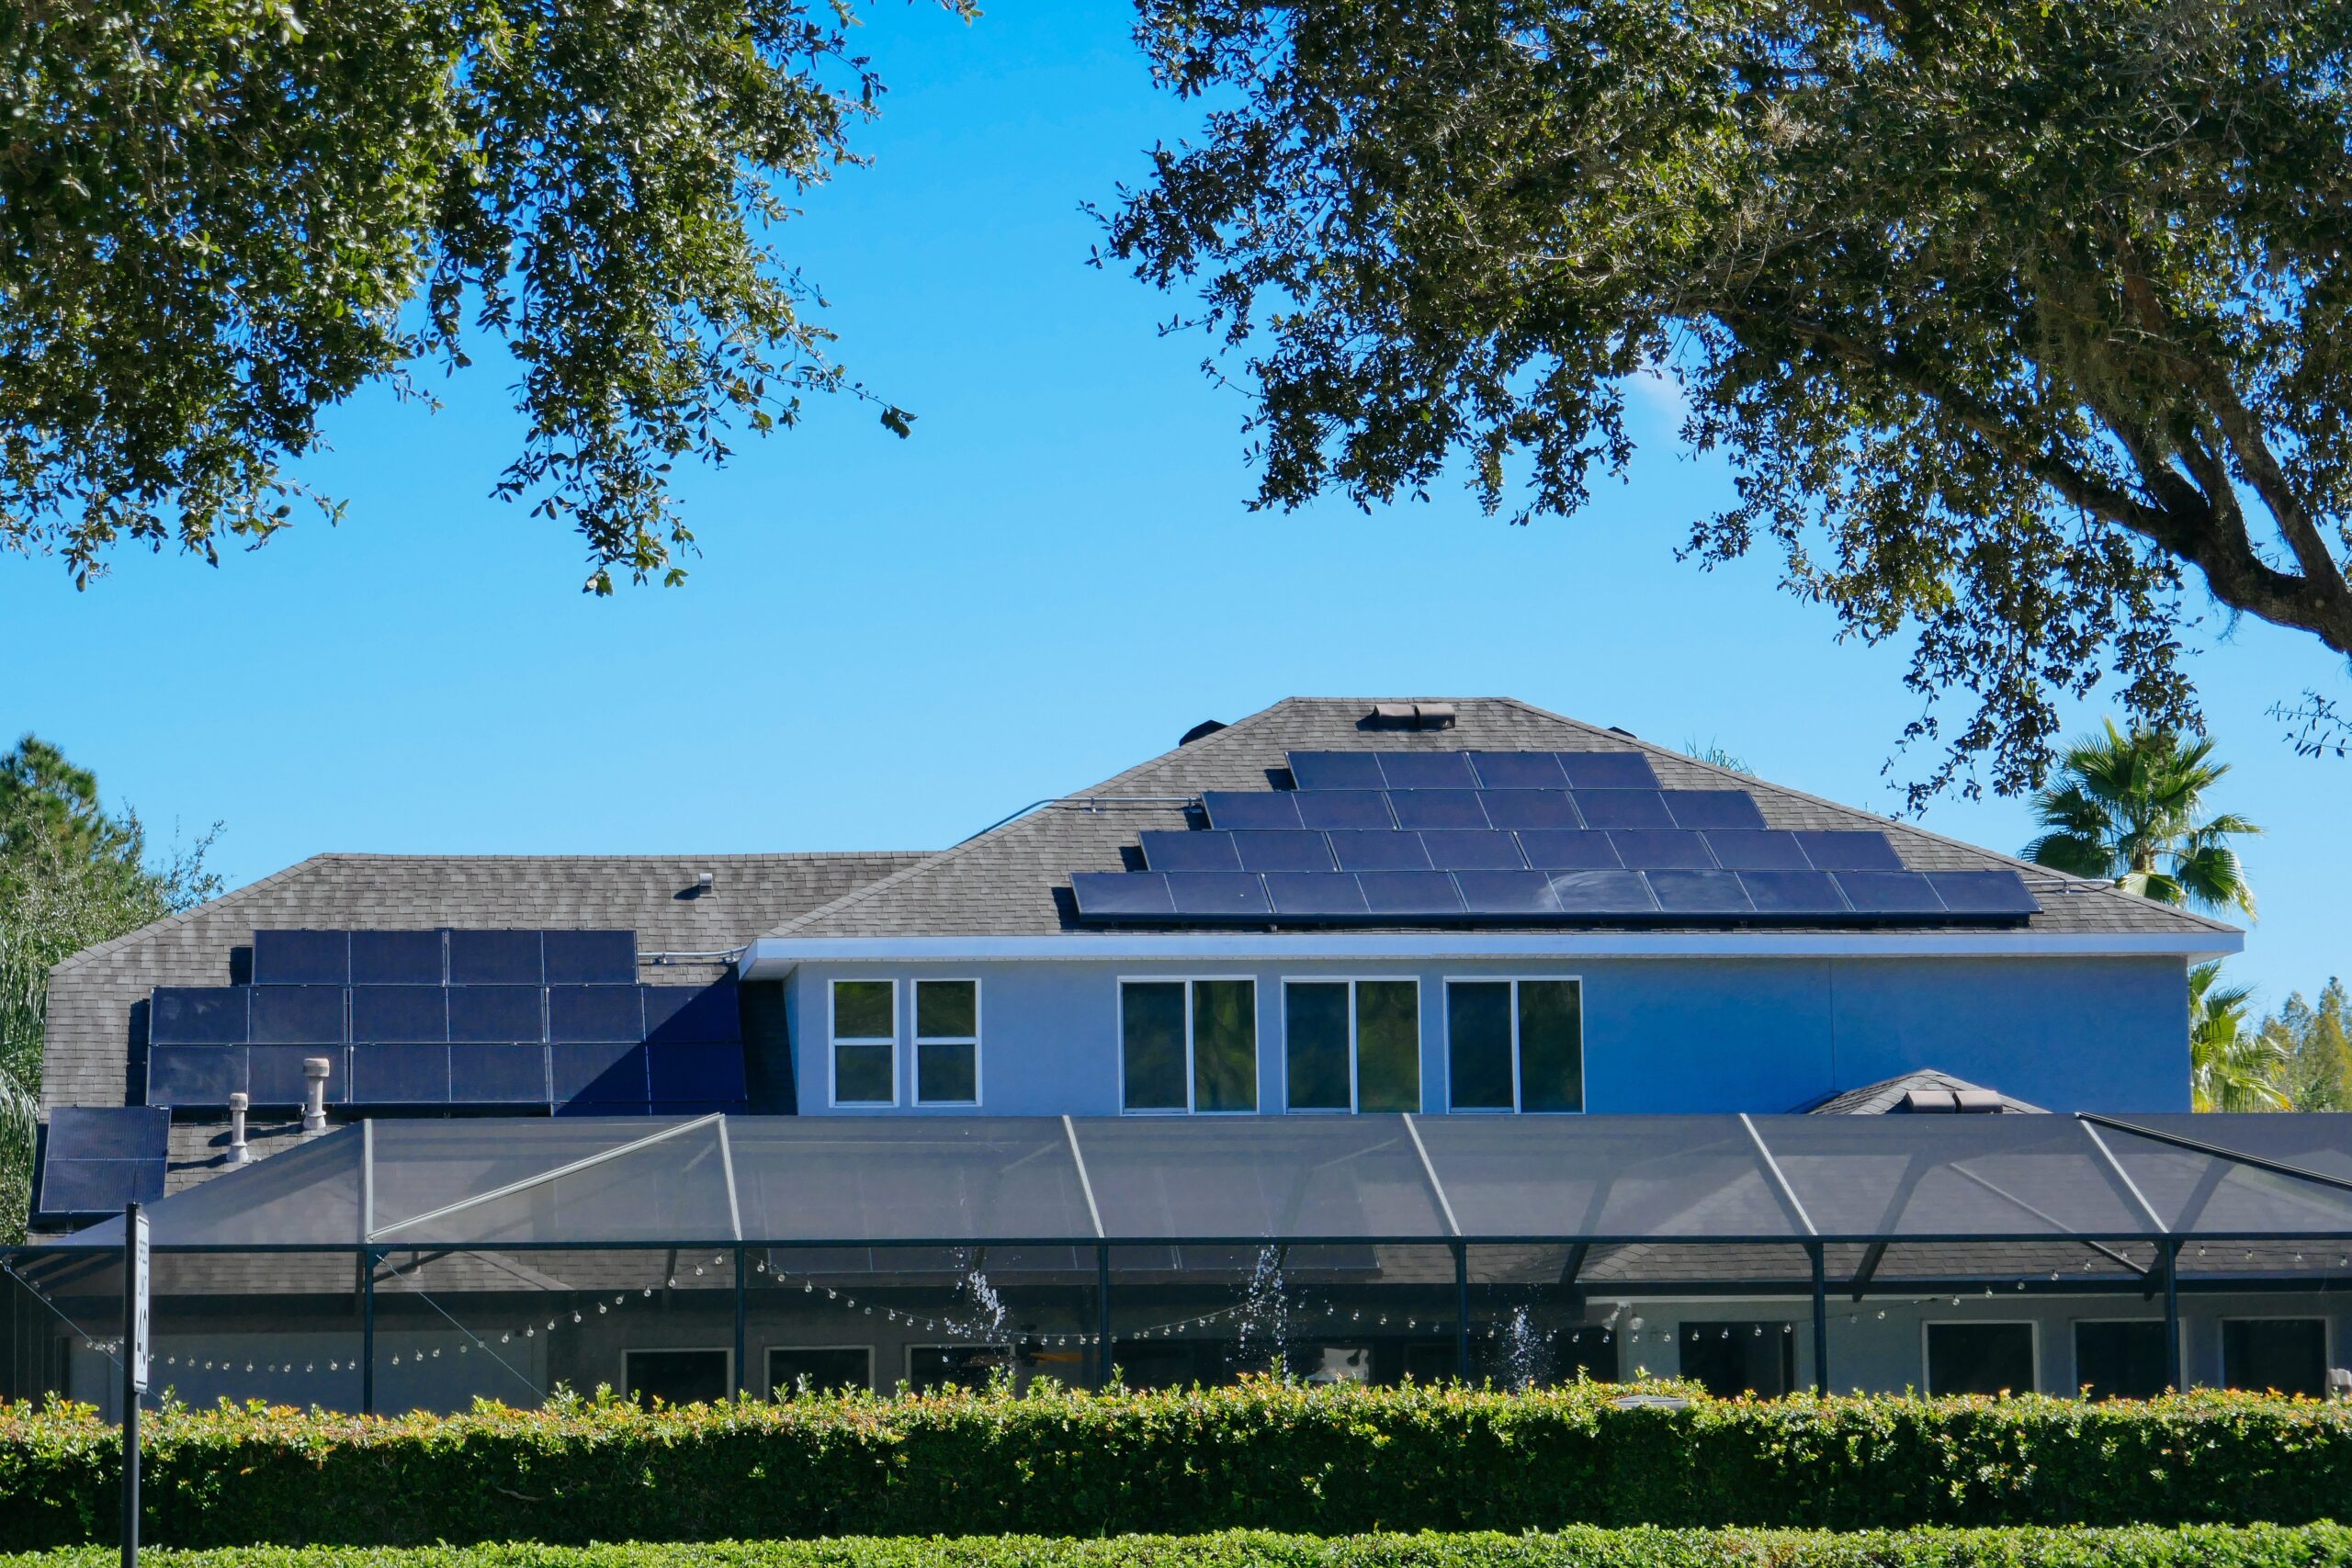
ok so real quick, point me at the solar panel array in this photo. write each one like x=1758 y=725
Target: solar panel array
x=449 y=1018
x=95 y=1159
x=1400 y=837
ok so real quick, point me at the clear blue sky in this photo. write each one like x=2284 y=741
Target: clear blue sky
x=889 y=644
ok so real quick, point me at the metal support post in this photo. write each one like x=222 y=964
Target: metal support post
x=1820 y=1320
x=1102 y=1317
x=369 y=1257
x=1462 y=1310
x=2174 y=1376
x=742 y=1374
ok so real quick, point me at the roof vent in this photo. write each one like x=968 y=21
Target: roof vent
x=1411 y=716
x=1952 y=1101
x=1202 y=731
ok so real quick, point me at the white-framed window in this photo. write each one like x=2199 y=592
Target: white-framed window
x=864 y=1043
x=820 y=1369
x=1981 y=1357
x=1352 y=1044
x=697 y=1375
x=2121 y=1358
x=1189 y=1045
x=1514 y=1043
x=2275 y=1355
x=947 y=1042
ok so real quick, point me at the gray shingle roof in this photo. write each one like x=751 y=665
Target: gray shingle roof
x=1881 y=1098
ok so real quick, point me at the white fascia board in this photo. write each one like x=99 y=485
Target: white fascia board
x=769 y=958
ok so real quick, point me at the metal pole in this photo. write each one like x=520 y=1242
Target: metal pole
x=2173 y=1371
x=131 y=1384
x=367 y=1331
x=1462 y=1312
x=1820 y=1321
x=742 y=1375
x=1102 y=1317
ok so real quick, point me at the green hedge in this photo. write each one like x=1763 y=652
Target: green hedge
x=1326 y=1462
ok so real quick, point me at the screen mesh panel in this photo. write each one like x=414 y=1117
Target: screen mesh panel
x=1667 y=1176
x=882 y=1179
x=1259 y=1177
x=1951 y=1176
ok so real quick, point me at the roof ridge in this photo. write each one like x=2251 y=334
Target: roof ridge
x=75 y=961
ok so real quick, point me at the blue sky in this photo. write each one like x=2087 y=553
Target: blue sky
x=891 y=643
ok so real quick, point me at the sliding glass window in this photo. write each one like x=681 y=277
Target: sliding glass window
x=1352 y=1044
x=1514 y=1045
x=1188 y=1046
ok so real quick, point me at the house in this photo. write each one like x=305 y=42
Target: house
x=1365 y=1039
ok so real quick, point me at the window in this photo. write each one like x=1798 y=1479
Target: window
x=1732 y=1358
x=2284 y=1355
x=1980 y=1358
x=930 y=1367
x=678 y=1377
x=1352 y=1044
x=2121 y=1359
x=823 y=1369
x=866 y=1042
x=947 y=1042
x=1188 y=1046
x=1514 y=1045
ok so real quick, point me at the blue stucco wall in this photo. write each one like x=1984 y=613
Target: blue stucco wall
x=1661 y=1034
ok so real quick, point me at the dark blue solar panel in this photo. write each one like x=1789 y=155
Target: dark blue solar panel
x=1472 y=851
x=1768 y=851
x=599 y=1074
x=1654 y=850
x=1984 y=892
x=595 y=1012
x=1250 y=808
x=693 y=1015
x=498 y=1074
x=1399 y=893
x=399 y=1015
x=298 y=1015
x=195 y=1075
x=1343 y=808
x=1379 y=851
x=1167 y=851
x=1713 y=808
x=1315 y=893
x=1518 y=770
x=1217 y=894
x=1794 y=893
x=1506 y=893
x=199 y=1015
x=1278 y=850
x=495 y=958
x=1603 y=893
x=695 y=1074
x=1437 y=809
x=399 y=1075
x=1889 y=893
x=1569 y=852
x=396 y=958
x=1121 y=895
x=1543 y=810
x=1336 y=769
x=1607 y=770
x=1699 y=893
x=274 y=1074
x=99 y=1186
x=1426 y=770
x=108 y=1133
x=1843 y=851
x=590 y=958
x=301 y=958
x=1623 y=808
x=495 y=1015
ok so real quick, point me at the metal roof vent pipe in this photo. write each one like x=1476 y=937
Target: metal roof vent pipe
x=238 y=1153
x=315 y=1094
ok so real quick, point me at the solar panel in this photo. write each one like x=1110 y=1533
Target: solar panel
x=1662 y=851
x=1699 y=893
x=1623 y=808
x=1603 y=893
x=1217 y=894
x=1121 y=895
x=1430 y=893
x=1737 y=850
x=1506 y=893
x=298 y=1015
x=1569 y=852
x=701 y=1075
x=1274 y=849
x=495 y=958
x=108 y=1131
x=1607 y=770
x=1713 y=808
x=1472 y=851
x=1320 y=894
x=1996 y=892
x=590 y=958
x=1426 y=770
x=301 y=958
x=599 y=1074
x=195 y=1075
x=1343 y=808
x=1250 y=808
x=693 y=1015
x=1438 y=810
x=1379 y=851
x=399 y=1015
x=1167 y=851
x=1548 y=810
x=595 y=1012
x=396 y=958
x=399 y=1075
x=495 y=1015
x=199 y=1015
x=274 y=1074
x=99 y=1186
x=1848 y=851
x=1518 y=770
x=1889 y=893
x=498 y=1074
x=1794 y=893
x=1335 y=770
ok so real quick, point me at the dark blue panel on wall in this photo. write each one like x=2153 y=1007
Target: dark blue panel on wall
x=695 y=1074
x=199 y=1015
x=1250 y=808
x=1321 y=894
x=274 y=1075
x=195 y=1075
x=399 y=1075
x=1736 y=851
x=1518 y=770
x=495 y=958
x=1121 y=895
x=495 y=1015
x=590 y=958
x=693 y=1015
x=1700 y=893
x=1654 y=850
x=1794 y=893
x=1190 y=851
x=1615 y=893
x=98 y=1186
x=1994 y=892
x=1336 y=769
x=1569 y=852
x=1277 y=851
x=1713 y=808
x=396 y=958
x=1506 y=893
x=595 y=1012
x=1472 y=851
x=399 y=1015
x=1537 y=810
x=1217 y=894
x=1389 y=851
x=301 y=958
x=1438 y=810
x=1343 y=808
x=298 y=1015
x=1426 y=770
x=1607 y=770
x=599 y=1074
x=1889 y=893
x=108 y=1133
x=1405 y=893
x=1623 y=808
x=1848 y=851
x=498 y=1074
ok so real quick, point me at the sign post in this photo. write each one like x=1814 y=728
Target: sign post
x=134 y=1370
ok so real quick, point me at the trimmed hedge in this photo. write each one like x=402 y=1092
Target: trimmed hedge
x=1329 y=1461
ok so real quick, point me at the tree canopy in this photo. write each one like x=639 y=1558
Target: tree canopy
x=220 y=219
x=2016 y=322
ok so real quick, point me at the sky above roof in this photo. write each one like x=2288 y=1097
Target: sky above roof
x=892 y=643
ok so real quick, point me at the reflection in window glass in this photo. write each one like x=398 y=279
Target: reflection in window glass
x=1551 y=1046
x=1314 y=1043
x=1389 y=1045
x=1477 y=1033
x=866 y=1032
x=1515 y=1045
x=1225 y=1045
x=947 y=1042
x=1151 y=1044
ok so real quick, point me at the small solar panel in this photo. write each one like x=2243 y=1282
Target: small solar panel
x=595 y=1012
x=1713 y=808
x=1121 y=895
x=693 y=1015
x=1250 y=808
x=1426 y=770
x=1336 y=769
x=1699 y=893
x=1274 y=849
x=98 y=1186
x=1569 y=852
x=498 y=1074
x=195 y=1075
x=1398 y=893
x=397 y=958
x=199 y=1015
x=1996 y=892
x=1607 y=770
x=1506 y=893
x=1623 y=808
x=399 y=1015
x=698 y=1075
x=1737 y=850
x=301 y=958
x=1889 y=893
x=1219 y=895
x=108 y=1131
x=1437 y=809
x=1794 y=893
x=590 y=958
x=1603 y=893
x=1518 y=770
x=399 y=1075
x=1379 y=851
x=1545 y=810
x=599 y=1074
x=1653 y=850
x=1316 y=893
x=1164 y=851
x=274 y=1075
x=495 y=1015
x=1343 y=808
x=1472 y=851
x=298 y=1015
x=495 y=958
x=1848 y=851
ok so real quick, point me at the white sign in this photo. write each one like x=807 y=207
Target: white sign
x=137 y=1285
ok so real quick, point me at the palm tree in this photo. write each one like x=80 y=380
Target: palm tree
x=2129 y=810
x=2231 y=1068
